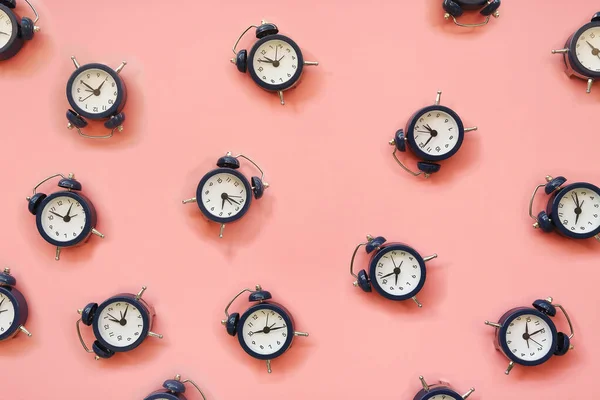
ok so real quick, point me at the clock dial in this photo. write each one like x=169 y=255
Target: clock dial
x=224 y=195
x=436 y=132
x=6 y=28
x=398 y=273
x=7 y=313
x=266 y=332
x=579 y=210
x=529 y=337
x=94 y=91
x=63 y=219
x=588 y=49
x=120 y=324
x=275 y=62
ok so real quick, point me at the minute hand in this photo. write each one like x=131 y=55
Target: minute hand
x=279 y=327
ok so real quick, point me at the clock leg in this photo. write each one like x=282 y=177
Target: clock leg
x=280 y=93
x=471 y=129
x=304 y=334
x=561 y=51
x=438 y=98
x=468 y=393
x=187 y=201
x=221 y=231
x=57 y=255
x=417 y=301
x=25 y=331
x=597 y=237
x=495 y=325
x=424 y=384
x=75 y=62
x=141 y=292
x=120 y=67
x=156 y=335
x=95 y=232
x=510 y=367
x=269 y=366
x=429 y=258
x=589 y=85
x=311 y=63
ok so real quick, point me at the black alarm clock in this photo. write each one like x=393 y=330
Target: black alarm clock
x=65 y=218
x=96 y=92
x=14 y=32
x=173 y=389
x=224 y=194
x=120 y=324
x=275 y=62
x=528 y=336
x=581 y=54
x=572 y=210
x=433 y=133
x=388 y=274
x=13 y=307
x=456 y=8
x=439 y=391
x=265 y=330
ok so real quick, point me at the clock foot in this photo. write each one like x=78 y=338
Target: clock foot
x=590 y=82
x=417 y=301
x=269 y=366
x=25 y=331
x=438 y=98
x=311 y=63
x=597 y=237
x=424 y=384
x=57 y=255
x=471 y=129
x=429 y=258
x=141 y=292
x=510 y=367
x=304 y=334
x=156 y=335
x=95 y=232
x=75 y=62
x=120 y=67
x=495 y=325
x=221 y=231
x=468 y=393
x=187 y=201
x=280 y=93
x=561 y=51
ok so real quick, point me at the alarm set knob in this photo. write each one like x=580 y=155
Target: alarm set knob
x=35 y=201
x=266 y=30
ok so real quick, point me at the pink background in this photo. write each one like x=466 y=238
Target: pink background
x=332 y=181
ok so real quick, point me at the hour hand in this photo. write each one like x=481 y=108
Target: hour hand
x=89 y=87
x=58 y=215
x=4 y=33
x=390 y=274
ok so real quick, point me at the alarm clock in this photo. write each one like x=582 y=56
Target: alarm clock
x=439 y=391
x=456 y=8
x=13 y=307
x=388 y=274
x=65 y=218
x=98 y=93
x=265 y=330
x=275 y=62
x=14 y=32
x=120 y=324
x=582 y=52
x=433 y=133
x=573 y=210
x=528 y=336
x=173 y=389
x=224 y=194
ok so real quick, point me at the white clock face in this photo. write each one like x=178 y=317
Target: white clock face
x=588 y=49
x=7 y=313
x=265 y=332
x=94 y=91
x=398 y=273
x=579 y=210
x=120 y=324
x=275 y=62
x=6 y=28
x=63 y=219
x=529 y=337
x=224 y=195
x=436 y=133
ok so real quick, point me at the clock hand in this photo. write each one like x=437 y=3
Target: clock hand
x=4 y=33
x=393 y=262
x=88 y=97
x=536 y=342
x=121 y=312
x=396 y=280
x=223 y=203
x=58 y=215
x=267 y=323
x=426 y=126
x=577 y=198
x=89 y=87
x=267 y=58
x=69 y=211
x=113 y=318
x=233 y=196
x=536 y=332
x=1 y=311
x=424 y=132
x=390 y=274
x=100 y=87
x=2 y=301
x=428 y=140
x=275 y=52
x=125 y=313
x=279 y=327
x=281 y=58
x=233 y=201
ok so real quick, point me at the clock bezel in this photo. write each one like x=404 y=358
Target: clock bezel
x=552 y=210
x=572 y=53
x=245 y=207
x=21 y=310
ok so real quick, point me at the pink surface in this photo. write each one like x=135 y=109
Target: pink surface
x=332 y=179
